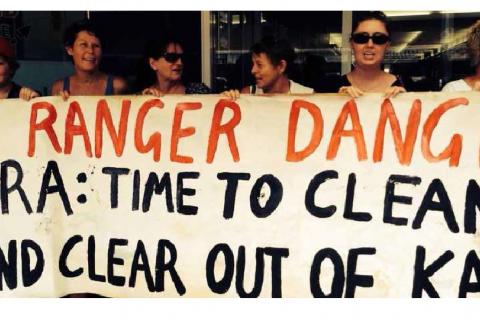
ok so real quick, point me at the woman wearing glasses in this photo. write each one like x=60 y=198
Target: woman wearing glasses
x=369 y=41
x=83 y=45
x=164 y=57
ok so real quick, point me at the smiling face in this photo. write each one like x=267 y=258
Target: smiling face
x=266 y=74
x=86 y=51
x=369 y=53
x=169 y=66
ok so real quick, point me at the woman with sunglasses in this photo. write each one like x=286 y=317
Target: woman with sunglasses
x=472 y=82
x=83 y=45
x=369 y=41
x=164 y=59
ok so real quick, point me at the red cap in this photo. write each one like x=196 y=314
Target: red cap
x=6 y=48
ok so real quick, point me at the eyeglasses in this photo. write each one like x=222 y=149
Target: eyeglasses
x=363 y=37
x=172 y=57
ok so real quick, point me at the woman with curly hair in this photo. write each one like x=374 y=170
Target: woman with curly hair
x=470 y=83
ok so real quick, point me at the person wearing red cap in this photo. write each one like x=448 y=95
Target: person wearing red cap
x=8 y=66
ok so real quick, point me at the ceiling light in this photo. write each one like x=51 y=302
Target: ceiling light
x=407 y=13
x=408 y=37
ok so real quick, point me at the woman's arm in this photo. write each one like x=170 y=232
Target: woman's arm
x=57 y=90
x=27 y=93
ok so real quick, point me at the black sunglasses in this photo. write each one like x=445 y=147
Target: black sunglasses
x=363 y=37
x=172 y=57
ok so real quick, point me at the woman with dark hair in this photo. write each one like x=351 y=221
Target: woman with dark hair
x=369 y=41
x=472 y=82
x=272 y=60
x=164 y=58
x=83 y=45
x=8 y=67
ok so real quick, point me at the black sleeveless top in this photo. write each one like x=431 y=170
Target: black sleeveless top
x=14 y=91
x=108 y=88
x=333 y=84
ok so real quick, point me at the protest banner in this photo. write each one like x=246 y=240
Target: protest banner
x=278 y=196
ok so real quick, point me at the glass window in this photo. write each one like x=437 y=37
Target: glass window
x=37 y=38
x=316 y=37
x=427 y=48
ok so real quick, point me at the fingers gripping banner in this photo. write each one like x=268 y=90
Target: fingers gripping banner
x=281 y=196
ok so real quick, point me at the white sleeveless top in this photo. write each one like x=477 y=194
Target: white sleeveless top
x=457 y=85
x=294 y=88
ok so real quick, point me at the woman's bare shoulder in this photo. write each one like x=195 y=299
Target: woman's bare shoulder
x=57 y=86
x=120 y=85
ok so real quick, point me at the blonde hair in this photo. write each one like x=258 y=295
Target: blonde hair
x=473 y=44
